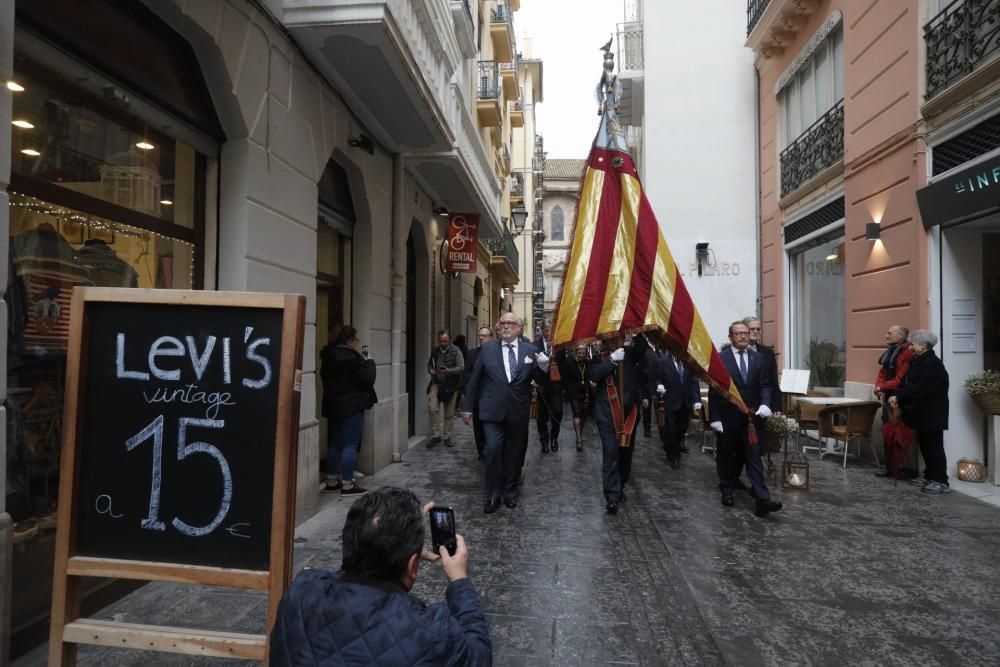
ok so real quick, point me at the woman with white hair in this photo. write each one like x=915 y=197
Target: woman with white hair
x=923 y=396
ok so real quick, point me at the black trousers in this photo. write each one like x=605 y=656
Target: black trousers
x=673 y=431
x=477 y=431
x=504 y=454
x=731 y=452
x=616 y=461
x=932 y=449
x=647 y=416
x=550 y=411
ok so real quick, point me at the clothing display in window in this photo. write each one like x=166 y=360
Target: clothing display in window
x=49 y=269
x=106 y=268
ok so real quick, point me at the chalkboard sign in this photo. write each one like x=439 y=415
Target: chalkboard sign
x=178 y=433
x=178 y=450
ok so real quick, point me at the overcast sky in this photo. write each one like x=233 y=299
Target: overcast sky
x=567 y=36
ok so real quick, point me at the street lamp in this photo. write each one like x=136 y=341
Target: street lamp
x=520 y=216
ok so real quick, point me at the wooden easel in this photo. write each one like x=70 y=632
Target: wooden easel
x=67 y=629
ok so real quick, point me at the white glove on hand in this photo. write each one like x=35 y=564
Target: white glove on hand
x=696 y=406
x=763 y=411
x=716 y=426
x=543 y=360
x=618 y=355
x=660 y=389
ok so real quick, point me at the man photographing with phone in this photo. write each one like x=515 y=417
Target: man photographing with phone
x=364 y=614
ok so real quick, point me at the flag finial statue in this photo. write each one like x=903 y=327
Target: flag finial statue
x=620 y=277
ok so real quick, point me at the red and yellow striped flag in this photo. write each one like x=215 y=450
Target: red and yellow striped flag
x=620 y=277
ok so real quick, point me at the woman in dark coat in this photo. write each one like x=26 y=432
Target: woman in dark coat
x=348 y=390
x=575 y=372
x=923 y=395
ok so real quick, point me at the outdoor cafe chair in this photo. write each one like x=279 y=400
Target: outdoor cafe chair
x=847 y=421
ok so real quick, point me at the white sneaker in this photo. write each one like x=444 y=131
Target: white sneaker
x=936 y=487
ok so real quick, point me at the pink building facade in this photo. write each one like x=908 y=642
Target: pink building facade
x=879 y=130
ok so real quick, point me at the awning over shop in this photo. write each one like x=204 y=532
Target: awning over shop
x=966 y=195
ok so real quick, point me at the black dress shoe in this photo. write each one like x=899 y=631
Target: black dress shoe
x=727 y=499
x=545 y=446
x=511 y=503
x=611 y=508
x=555 y=445
x=579 y=445
x=765 y=507
x=675 y=463
x=491 y=506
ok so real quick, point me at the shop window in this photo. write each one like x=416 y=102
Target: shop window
x=97 y=198
x=818 y=318
x=557 y=224
x=815 y=88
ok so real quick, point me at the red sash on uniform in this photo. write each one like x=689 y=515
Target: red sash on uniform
x=623 y=430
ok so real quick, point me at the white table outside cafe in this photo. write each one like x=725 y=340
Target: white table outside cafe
x=825 y=448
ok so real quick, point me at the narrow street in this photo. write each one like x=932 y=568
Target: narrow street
x=854 y=571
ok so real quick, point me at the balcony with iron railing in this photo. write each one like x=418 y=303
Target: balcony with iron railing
x=504 y=256
x=817 y=149
x=508 y=77
x=630 y=54
x=962 y=38
x=755 y=9
x=502 y=32
x=516 y=112
x=488 y=94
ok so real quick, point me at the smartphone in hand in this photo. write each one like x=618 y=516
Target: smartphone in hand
x=443 y=529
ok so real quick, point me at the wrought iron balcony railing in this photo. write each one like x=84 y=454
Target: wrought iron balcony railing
x=755 y=9
x=964 y=35
x=819 y=147
x=489 y=80
x=500 y=13
x=630 y=58
x=505 y=247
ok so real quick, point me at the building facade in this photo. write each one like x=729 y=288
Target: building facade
x=302 y=147
x=696 y=171
x=562 y=194
x=876 y=146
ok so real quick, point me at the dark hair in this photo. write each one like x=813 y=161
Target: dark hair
x=443 y=332
x=383 y=529
x=460 y=341
x=346 y=333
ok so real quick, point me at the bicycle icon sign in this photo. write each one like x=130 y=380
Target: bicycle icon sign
x=459 y=249
x=460 y=233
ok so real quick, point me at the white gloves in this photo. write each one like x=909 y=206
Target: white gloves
x=716 y=426
x=660 y=389
x=618 y=355
x=763 y=411
x=696 y=406
x=543 y=360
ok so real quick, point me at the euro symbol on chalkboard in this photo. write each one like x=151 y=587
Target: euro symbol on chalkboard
x=234 y=530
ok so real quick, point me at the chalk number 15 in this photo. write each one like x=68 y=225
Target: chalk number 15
x=155 y=431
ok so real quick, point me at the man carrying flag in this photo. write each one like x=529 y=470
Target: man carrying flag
x=620 y=277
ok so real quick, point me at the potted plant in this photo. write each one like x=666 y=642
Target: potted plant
x=825 y=371
x=984 y=388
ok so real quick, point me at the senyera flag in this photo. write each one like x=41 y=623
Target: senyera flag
x=620 y=277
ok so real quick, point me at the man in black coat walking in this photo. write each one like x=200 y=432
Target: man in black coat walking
x=679 y=393
x=485 y=335
x=770 y=360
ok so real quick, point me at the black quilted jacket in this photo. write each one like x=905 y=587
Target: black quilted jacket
x=323 y=620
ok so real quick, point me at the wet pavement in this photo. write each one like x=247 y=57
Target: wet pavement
x=853 y=571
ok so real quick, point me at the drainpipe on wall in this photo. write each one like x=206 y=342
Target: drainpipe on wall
x=756 y=194
x=398 y=289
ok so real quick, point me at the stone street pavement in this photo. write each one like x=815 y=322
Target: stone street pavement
x=854 y=571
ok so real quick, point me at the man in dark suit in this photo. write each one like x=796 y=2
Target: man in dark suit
x=501 y=386
x=550 y=397
x=616 y=408
x=746 y=369
x=770 y=360
x=485 y=335
x=679 y=393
